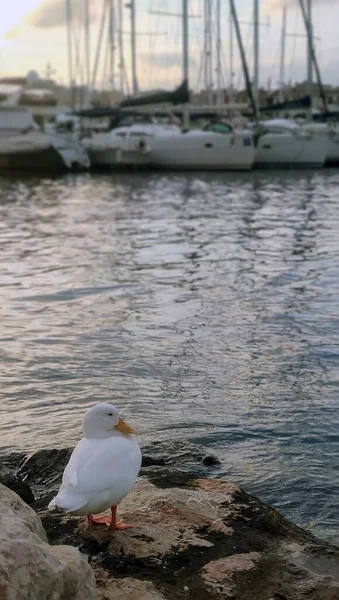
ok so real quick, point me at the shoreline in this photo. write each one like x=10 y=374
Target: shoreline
x=194 y=537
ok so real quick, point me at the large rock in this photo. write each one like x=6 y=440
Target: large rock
x=193 y=538
x=205 y=540
x=29 y=567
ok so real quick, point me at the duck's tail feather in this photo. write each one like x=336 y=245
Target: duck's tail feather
x=68 y=502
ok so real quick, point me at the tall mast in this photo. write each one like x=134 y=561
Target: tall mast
x=69 y=46
x=243 y=59
x=231 y=54
x=87 y=50
x=219 y=94
x=99 y=44
x=133 y=49
x=309 y=47
x=185 y=39
x=185 y=59
x=256 y=53
x=209 y=48
x=205 y=47
x=309 y=31
x=111 y=45
x=282 y=56
x=121 y=49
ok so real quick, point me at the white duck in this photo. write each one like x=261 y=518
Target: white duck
x=102 y=469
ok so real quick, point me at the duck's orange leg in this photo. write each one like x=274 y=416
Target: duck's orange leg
x=111 y=522
x=114 y=524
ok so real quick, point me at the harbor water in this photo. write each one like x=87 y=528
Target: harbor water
x=205 y=306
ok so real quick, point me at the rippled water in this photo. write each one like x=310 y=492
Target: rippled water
x=205 y=306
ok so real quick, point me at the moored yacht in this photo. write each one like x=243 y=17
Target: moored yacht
x=284 y=144
x=216 y=147
x=23 y=146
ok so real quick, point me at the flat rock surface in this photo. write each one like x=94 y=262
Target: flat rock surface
x=194 y=538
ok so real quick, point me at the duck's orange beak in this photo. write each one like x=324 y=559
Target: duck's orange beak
x=124 y=428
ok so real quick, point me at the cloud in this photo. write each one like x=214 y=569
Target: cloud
x=52 y=13
x=166 y=60
x=12 y=33
x=276 y=4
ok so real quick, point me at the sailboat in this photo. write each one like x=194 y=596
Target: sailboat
x=24 y=147
x=326 y=133
x=283 y=143
x=217 y=147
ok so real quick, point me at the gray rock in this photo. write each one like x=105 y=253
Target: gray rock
x=29 y=567
x=44 y=467
x=15 y=483
x=202 y=539
x=148 y=461
x=211 y=461
x=193 y=538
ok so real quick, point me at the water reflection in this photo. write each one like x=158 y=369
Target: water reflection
x=205 y=306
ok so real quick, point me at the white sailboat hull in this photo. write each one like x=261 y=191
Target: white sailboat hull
x=115 y=158
x=72 y=152
x=109 y=151
x=291 y=149
x=331 y=135
x=23 y=147
x=167 y=147
x=39 y=152
x=203 y=150
x=333 y=150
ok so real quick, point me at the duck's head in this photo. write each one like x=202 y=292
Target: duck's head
x=103 y=420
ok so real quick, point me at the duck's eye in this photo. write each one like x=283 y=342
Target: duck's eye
x=110 y=414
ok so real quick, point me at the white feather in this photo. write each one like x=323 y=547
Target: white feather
x=99 y=474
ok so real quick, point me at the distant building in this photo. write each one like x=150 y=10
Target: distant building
x=45 y=97
x=32 y=77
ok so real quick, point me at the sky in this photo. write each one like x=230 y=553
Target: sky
x=33 y=33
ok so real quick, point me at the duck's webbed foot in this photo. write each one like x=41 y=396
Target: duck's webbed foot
x=114 y=524
x=99 y=520
x=110 y=522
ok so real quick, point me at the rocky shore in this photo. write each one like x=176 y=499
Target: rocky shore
x=194 y=537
